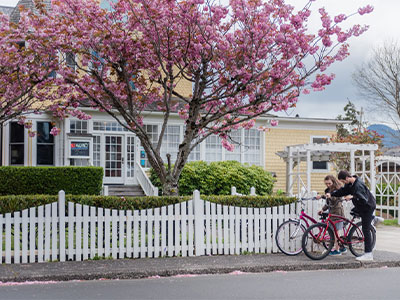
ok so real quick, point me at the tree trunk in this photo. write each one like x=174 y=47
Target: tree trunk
x=170 y=187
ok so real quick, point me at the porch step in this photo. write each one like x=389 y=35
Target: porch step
x=125 y=190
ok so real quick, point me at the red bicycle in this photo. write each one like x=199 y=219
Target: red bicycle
x=318 y=239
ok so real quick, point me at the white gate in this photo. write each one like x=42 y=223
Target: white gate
x=387 y=186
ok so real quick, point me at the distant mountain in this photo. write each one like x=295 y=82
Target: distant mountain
x=391 y=137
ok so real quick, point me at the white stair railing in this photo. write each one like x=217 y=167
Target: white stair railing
x=144 y=181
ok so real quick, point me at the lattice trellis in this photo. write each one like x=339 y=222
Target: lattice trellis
x=387 y=186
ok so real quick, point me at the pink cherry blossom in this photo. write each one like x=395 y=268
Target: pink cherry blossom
x=241 y=61
x=365 y=10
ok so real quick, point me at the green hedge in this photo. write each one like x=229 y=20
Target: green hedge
x=49 y=180
x=18 y=202
x=217 y=178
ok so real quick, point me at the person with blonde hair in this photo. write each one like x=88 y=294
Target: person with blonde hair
x=335 y=206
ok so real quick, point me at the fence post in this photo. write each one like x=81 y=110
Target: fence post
x=105 y=190
x=198 y=223
x=61 y=220
x=252 y=191
x=233 y=191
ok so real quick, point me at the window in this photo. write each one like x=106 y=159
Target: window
x=320 y=165
x=252 y=147
x=236 y=140
x=17 y=137
x=195 y=154
x=44 y=144
x=96 y=150
x=96 y=62
x=78 y=126
x=152 y=132
x=171 y=141
x=70 y=60
x=130 y=152
x=108 y=126
x=213 y=148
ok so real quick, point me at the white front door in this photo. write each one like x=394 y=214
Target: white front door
x=114 y=167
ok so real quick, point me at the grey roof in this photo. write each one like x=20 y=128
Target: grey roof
x=14 y=17
x=7 y=10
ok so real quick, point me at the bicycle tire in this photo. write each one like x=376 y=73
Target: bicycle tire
x=284 y=232
x=313 y=245
x=356 y=239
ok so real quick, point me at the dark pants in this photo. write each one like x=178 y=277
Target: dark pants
x=366 y=219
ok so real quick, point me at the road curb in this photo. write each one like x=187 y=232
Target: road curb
x=195 y=271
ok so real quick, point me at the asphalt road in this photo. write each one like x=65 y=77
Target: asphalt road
x=382 y=283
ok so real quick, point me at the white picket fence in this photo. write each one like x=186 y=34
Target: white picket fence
x=54 y=232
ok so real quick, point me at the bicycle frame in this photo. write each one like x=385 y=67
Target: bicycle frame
x=346 y=231
x=304 y=217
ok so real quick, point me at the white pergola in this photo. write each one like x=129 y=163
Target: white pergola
x=360 y=155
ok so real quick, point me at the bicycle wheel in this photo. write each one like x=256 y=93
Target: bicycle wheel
x=317 y=241
x=288 y=237
x=355 y=239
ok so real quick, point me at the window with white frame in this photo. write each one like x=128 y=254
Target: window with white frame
x=70 y=60
x=78 y=126
x=130 y=152
x=320 y=165
x=171 y=140
x=213 y=148
x=236 y=140
x=17 y=138
x=252 y=146
x=152 y=133
x=44 y=144
x=108 y=126
x=195 y=154
x=96 y=151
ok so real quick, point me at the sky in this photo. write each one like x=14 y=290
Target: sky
x=384 y=26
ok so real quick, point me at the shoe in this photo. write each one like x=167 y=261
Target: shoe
x=377 y=220
x=343 y=250
x=366 y=257
x=335 y=252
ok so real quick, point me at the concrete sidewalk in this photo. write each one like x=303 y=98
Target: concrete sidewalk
x=388 y=238
x=147 y=267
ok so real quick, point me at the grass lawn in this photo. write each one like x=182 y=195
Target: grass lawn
x=391 y=222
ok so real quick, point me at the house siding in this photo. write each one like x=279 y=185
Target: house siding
x=276 y=140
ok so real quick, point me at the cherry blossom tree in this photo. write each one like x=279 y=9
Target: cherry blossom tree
x=26 y=68
x=243 y=60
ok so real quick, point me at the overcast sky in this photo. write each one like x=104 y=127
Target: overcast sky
x=384 y=25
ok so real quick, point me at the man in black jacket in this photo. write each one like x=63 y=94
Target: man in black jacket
x=364 y=203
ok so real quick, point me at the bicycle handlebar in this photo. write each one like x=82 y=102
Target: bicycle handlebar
x=311 y=198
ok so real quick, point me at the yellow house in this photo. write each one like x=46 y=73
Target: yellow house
x=294 y=131
x=103 y=142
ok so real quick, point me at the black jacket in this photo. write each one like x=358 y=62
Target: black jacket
x=363 y=199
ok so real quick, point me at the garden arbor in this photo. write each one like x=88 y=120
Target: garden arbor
x=360 y=157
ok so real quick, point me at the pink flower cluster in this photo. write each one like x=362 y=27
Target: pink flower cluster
x=365 y=10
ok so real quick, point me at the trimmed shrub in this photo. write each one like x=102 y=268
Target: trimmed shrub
x=50 y=180
x=13 y=203
x=217 y=178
